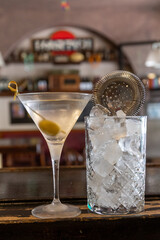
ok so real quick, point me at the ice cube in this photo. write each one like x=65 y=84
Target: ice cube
x=101 y=166
x=120 y=114
x=96 y=123
x=124 y=166
x=115 y=128
x=133 y=127
x=119 y=130
x=109 y=124
x=112 y=152
x=94 y=182
x=99 y=137
x=97 y=111
x=104 y=199
x=131 y=196
x=126 y=200
x=107 y=199
x=131 y=145
x=115 y=181
x=119 y=133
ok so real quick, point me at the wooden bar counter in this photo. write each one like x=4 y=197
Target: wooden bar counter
x=23 y=189
x=16 y=222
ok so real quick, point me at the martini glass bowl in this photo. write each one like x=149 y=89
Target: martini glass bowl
x=55 y=113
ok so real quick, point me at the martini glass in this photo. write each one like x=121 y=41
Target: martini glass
x=55 y=114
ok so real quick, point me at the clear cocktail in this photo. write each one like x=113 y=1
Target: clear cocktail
x=55 y=114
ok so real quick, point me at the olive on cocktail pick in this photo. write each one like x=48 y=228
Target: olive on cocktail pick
x=49 y=127
x=46 y=126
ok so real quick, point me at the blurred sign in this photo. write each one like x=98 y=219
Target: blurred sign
x=62 y=42
x=47 y=45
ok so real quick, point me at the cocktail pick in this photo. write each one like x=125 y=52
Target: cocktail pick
x=120 y=90
x=46 y=126
x=15 y=90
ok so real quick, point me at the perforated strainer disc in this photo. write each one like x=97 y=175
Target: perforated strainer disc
x=120 y=90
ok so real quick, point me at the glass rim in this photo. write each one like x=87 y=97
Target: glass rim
x=54 y=93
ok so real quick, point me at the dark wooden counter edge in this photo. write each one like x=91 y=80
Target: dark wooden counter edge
x=16 y=222
x=18 y=212
x=25 y=169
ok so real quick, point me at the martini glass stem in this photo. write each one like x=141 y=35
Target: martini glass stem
x=55 y=152
x=55 y=168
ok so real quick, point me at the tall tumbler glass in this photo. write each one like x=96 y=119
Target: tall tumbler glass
x=115 y=160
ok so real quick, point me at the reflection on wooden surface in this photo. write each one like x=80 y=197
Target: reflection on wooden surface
x=37 y=184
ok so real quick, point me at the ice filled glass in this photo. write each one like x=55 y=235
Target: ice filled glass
x=115 y=161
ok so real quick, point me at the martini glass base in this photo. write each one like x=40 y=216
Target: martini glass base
x=56 y=211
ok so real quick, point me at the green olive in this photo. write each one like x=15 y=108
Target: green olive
x=49 y=127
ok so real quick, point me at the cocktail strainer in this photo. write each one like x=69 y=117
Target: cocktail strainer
x=120 y=90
